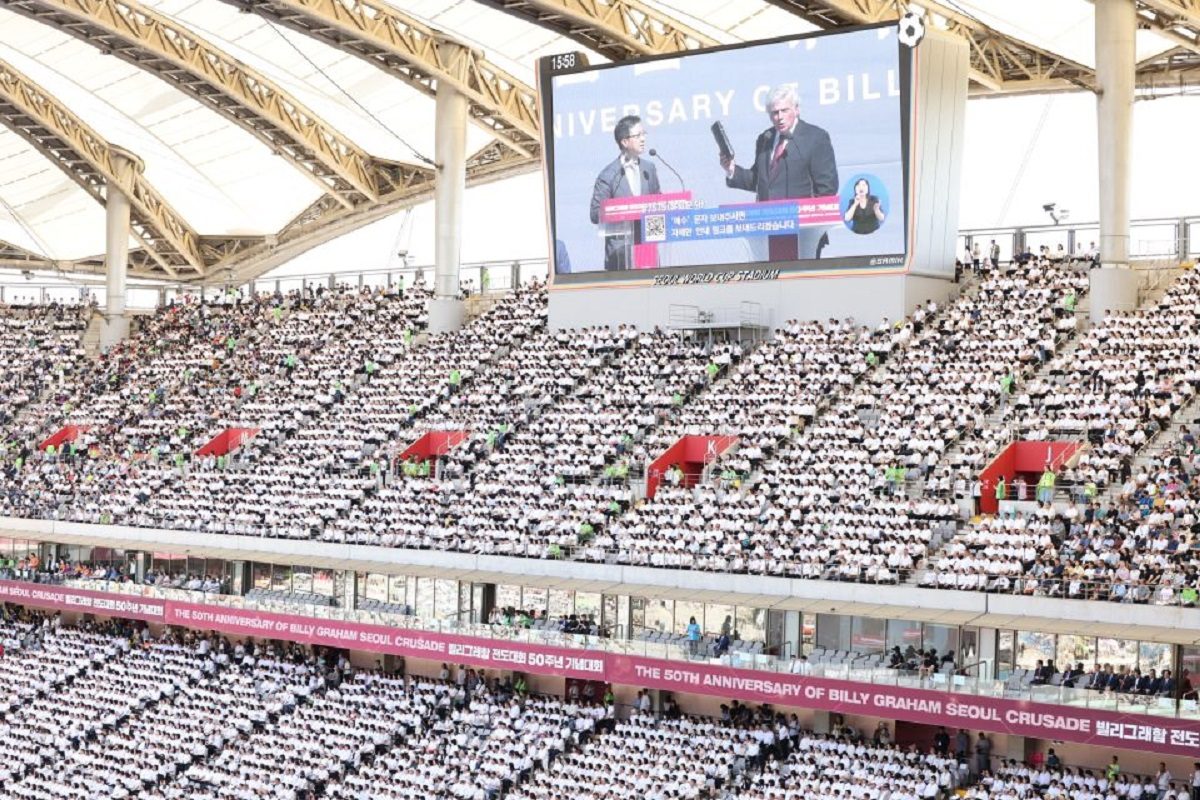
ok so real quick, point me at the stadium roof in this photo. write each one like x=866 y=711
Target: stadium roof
x=262 y=128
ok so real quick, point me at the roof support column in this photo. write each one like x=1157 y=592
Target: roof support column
x=116 y=255
x=1114 y=286
x=450 y=152
x=1116 y=25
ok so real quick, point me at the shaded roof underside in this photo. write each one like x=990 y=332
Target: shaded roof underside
x=265 y=128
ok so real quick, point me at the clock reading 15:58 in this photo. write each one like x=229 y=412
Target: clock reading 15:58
x=566 y=61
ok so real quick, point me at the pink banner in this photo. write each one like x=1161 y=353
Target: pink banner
x=1143 y=731
x=930 y=707
x=629 y=209
x=64 y=598
x=471 y=650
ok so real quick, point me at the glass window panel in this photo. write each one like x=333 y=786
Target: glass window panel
x=1189 y=668
x=1073 y=650
x=534 y=599
x=942 y=638
x=902 y=633
x=968 y=646
x=1154 y=655
x=751 y=623
x=561 y=603
x=261 y=576
x=468 y=609
x=396 y=590
x=869 y=635
x=588 y=603
x=614 y=610
x=684 y=611
x=1118 y=652
x=376 y=587
x=447 y=599
x=1004 y=652
x=659 y=615
x=808 y=633
x=637 y=612
x=833 y=631
x=1194 y=237
x=508 y=596
x=302 y=580
x=322 y=582
x=281 y=578
x=1033 y=646
x=425 y=591
x=718 y=617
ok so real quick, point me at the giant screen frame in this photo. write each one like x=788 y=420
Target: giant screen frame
x=580 y=160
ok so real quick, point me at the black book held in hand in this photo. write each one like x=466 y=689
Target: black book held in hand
x=723 y=144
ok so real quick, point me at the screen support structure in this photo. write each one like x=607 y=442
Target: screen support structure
x=450 y=150
x=116 y=256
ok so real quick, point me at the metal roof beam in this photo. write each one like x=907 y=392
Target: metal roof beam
x=618 y=29
x=998 y=63
x=323 y=222
x=200 y=69
x=1176 y=20
x=419 y=55
x=91 y=161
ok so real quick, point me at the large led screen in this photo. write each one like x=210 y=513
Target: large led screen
x=788 y=154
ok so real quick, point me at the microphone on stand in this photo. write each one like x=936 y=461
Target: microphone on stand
x=655 y=154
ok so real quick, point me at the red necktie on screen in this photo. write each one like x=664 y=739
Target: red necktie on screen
x=777 y=156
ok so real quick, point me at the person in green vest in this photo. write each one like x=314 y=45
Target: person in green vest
x=371 y=367
x=1001 y=489
x=1188 y=595
x=554 y=550
x=290 y=362
x=231 y=342
x=455 y=378
x=586 y=531
x=1006 y=385
x=50 y=451
x=676 y=399
x=424 y=468
x=872 y=359
x=408 y=337
x=622 y=470
x=712 y=369
x=519 y=685
x=179 y=461
x=277 y=313
x=485 y=279
x=1045 y=486
x=1070 y=301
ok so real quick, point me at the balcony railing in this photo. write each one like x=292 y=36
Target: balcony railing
x=882 y=676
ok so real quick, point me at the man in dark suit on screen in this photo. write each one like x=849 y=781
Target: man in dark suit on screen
x=792 y=159
x=630 y=175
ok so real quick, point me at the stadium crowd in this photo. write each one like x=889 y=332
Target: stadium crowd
x=853 y=445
